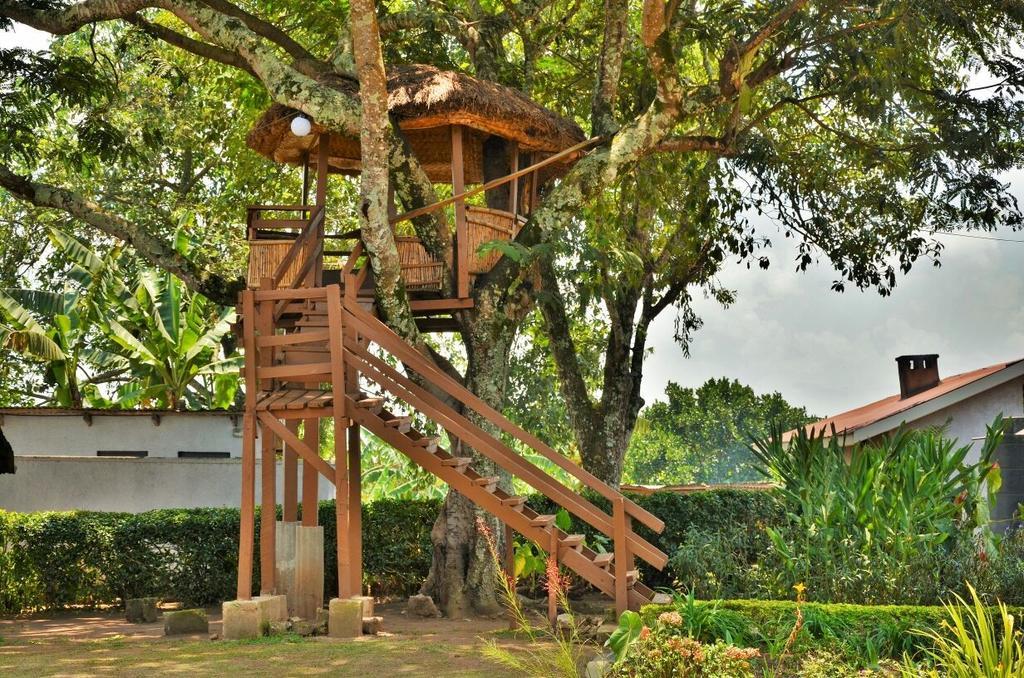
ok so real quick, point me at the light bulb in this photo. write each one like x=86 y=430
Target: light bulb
x=301 y=126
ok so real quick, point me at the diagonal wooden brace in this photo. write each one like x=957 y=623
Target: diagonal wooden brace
x=293 y=441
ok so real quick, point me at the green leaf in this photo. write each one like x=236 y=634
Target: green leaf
x=630 y=625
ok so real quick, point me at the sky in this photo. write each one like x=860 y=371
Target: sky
x=829 y=352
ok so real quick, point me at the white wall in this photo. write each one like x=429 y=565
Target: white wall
x=53 y=483
x=968 y=418
x=69 y=433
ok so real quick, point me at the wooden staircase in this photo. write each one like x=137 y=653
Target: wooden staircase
x=316 y=352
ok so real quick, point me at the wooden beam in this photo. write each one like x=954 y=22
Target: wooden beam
x=355 y=508
x=622 y=558
x=246 y=532
x=461 y=234
x=342 y=498
x=268 y=510
x=461 y=197
x=322 y=154
x=307 y=454
x=310 y=475
x=290 y=507
x=514 y=192
x=420 y=305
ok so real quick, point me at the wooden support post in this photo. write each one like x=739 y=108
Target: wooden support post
x=341 y=484
x=305 y=178
x=622 y=557
x=552 y=591
x=514 y=189
x=290 y=507
x=534 y=181
x=323 y=153
x=510 y=552
x=268 y=510
x=247 y=527
x=461 y=234
x=310 y=476
x=355 y=508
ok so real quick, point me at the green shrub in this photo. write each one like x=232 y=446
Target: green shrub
x=860 y=633
x=59 y=559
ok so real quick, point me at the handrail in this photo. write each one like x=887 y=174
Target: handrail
x=495 y=183
x=377 y=370
x=297 y=246
x=281 y=208
x=410 y=356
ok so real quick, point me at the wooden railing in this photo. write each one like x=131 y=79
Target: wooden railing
x=616 y=526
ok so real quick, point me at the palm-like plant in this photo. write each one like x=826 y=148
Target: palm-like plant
x=71 y=316
x=160 y=344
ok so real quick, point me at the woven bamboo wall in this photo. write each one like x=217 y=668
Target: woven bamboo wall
x=266 y=255
x=483 y=225
x=419 y=269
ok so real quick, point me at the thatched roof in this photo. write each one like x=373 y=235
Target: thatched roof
x=426 y=101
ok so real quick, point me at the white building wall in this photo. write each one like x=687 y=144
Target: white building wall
x=57 y=483
x=967 y=420
x=76 y=433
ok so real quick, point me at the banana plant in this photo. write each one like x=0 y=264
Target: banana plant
x=172 y=341
x=59 y=328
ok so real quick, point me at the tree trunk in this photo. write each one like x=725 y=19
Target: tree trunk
x=463 y=575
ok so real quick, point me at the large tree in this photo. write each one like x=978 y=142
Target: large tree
x=851 y=124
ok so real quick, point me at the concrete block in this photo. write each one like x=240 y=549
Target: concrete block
x=367 y=602
x=241 y=619
x=140 y=610
x=179 y=622
x=373 y=625
x=346 y=618
x=272 y=608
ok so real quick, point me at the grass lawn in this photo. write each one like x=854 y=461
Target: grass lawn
x=278 y=656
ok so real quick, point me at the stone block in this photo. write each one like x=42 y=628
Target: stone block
x=140 y=610
x=241 y=619
x=373 y=625
x=346 y=618
x=367 y=602
x=598 y=668
x=661 y=599
x=272 y=608
x=422 y=606
x=180 y=622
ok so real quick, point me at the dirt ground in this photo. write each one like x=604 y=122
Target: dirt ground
x=101 y=643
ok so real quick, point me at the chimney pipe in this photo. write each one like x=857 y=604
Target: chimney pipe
x=917 y=373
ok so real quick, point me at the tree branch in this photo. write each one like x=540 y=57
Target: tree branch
x=197 y=47
x=148 y=246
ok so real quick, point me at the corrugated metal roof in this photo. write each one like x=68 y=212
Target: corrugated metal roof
x=861 y=417
x=94 y=412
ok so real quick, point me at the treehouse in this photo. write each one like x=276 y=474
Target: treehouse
x=315 y=350
x=487 y=146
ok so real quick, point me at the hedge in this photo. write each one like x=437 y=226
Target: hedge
x=58 y=559
x=857 y=631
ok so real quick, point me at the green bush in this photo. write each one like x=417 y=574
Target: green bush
x=58 y=559
x=861 y=633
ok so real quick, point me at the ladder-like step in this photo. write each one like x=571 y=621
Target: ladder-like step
x=632 y=577
x=460 y=464
x=574 y=541
x=604 y=559
x=542 y=521
x=514 y=503
x=427 y=442
x=489 y=483
x=403 y=424
x=374 y=405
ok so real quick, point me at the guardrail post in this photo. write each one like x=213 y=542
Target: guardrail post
x=622 y=556
x=342 y=499
x=552 y=588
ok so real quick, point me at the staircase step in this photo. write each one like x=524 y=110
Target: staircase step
x=403 y=424
x=542 y=521
x=574 y=541
x=429 y=443
x=514 y=503
x=632 y=577
x=460 y=464
x=375 y=405
x=604 y=559
x=489 y=483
